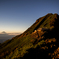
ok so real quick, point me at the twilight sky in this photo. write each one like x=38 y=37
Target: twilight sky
x=17 y=15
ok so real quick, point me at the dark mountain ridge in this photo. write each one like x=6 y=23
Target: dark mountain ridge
x=39 y=41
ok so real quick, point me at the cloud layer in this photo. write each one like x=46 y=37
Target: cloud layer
x=5 y=36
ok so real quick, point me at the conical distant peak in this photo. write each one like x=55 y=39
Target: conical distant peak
x=3 y=32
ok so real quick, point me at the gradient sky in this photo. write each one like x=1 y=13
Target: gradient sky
x=18 y=15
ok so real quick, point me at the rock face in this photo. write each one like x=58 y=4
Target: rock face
x=39 y=41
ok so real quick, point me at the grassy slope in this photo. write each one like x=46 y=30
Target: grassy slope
x=22 y=42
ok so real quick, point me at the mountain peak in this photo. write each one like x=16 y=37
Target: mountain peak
x=3 y=32
x=40 y=40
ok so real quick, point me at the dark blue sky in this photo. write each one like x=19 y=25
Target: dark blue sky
x=18 y=15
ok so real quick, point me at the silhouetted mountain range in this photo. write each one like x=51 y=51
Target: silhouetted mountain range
x=40 y=41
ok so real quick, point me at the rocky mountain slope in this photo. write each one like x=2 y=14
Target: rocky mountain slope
x=39 y=41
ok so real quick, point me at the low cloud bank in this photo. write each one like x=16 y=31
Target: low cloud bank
x=5 y=36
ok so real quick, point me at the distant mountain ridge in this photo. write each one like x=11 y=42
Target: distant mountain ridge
x=39 y=41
